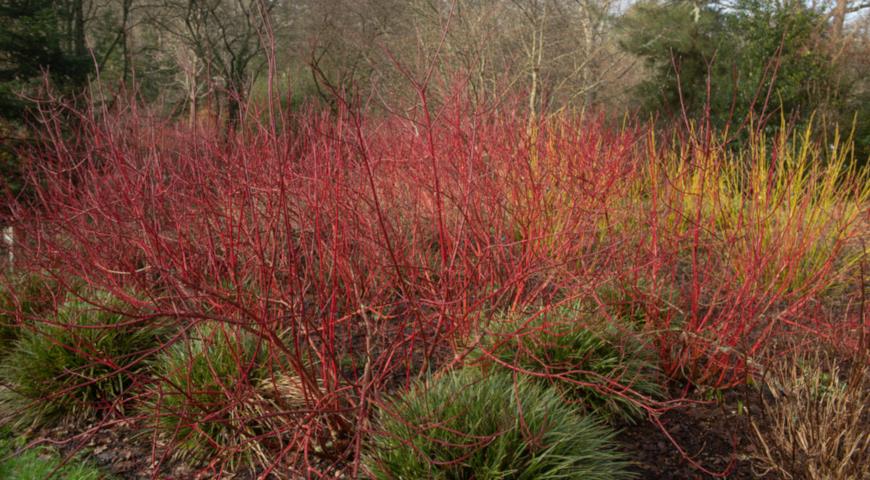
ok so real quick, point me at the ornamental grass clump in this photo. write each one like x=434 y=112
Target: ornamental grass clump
x=602 y=366
x=204 y=401
x=812 y=419
x=467 y=424
x=81 y=361
x=21 y=296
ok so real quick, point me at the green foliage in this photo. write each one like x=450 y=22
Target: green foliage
x=32 y=41
x=670 y=37
x=41 y=463
x=37 y=38
x=737 y=48
x=207 y=401
x=82 y=360
x=603 y=366
x=21 y=297
x=468 y=425
x=760 y=30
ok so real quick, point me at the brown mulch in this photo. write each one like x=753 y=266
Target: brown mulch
x=120 y=450
x=713 y=435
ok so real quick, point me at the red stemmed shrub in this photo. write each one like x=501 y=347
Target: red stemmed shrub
x=363 y=252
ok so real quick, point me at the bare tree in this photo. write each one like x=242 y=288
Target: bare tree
x=226 y=36
x=842 y=9
x=562 y=50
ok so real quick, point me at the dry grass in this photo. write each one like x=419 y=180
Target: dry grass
x=814 y=419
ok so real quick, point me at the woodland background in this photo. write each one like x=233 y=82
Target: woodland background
x=200 y=60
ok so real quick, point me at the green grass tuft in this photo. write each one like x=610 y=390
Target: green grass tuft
x=207 y=402
x=20 y=296
x=79 y=361
x=469 y=425
x=41 y=463
x=604 y=367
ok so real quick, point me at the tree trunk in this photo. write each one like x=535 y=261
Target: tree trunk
x=79 y=47
x=126 y=5
x=839 y=19
x=235 y=101
x=191 y=91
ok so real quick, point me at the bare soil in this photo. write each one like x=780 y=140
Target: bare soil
x=716 y=435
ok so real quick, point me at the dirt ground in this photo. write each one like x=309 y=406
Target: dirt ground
x=713 y=434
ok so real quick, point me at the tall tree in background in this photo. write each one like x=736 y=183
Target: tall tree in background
x=681 y=43
x=854 y=68
x=560 y=52
x=838 y=10
x=849 y=47
x=780 y=52
x=37 y=38
x=757 y=57
x=111 y=30
x=226 y=36
x=607 y=54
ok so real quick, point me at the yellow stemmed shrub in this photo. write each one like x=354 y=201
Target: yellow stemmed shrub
x=778 y=213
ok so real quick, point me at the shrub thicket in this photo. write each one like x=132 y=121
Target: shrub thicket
x=391 y=239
